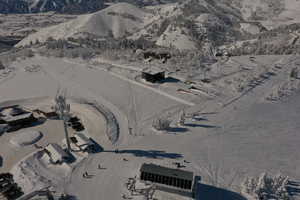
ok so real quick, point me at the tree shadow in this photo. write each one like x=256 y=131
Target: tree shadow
x=96 y=148
x=149 y=153
x=202 y=125
x=177 y=129
x=170 y=80
x=293 y=188
x=198 y=119
x=208 y=113
x=294 y=183
x=212 y=192
x=71 y=158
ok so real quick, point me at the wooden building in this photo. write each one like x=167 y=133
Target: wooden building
x=171 y=180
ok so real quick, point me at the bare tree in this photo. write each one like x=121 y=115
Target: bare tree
x=267 y=187
x=182 y=118
x=293 y=74
x=161 y=124
x=63 y=109
x=1 y=65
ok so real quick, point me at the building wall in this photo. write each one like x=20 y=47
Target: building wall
x=153 y=77
x=166 y=180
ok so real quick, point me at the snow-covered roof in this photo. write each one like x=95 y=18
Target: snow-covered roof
x=46 y=109
x=12 y=110
x=56 y=152
x=153 y=70
x=10 y=118
x=83 y=140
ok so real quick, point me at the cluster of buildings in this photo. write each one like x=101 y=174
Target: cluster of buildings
x=9 y=190
x=80 y=142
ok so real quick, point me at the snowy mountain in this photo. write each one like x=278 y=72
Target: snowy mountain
x=34 y=6
x=66 y=6
x=206 y=25
x=186 y=23
x=115 y=21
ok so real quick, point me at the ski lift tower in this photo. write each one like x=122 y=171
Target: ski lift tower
x=63 y=110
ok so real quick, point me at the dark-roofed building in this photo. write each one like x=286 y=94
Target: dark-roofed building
x=153 y=75
x=168 y=178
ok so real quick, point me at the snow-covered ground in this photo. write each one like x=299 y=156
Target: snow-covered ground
x=244 y=136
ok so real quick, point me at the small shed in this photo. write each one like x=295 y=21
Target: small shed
x=153 y=75
x=56 y=153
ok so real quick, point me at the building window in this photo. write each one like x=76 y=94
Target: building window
x=173 y=181
x=186 y=182
x=181 y=185
x=168 y=180
x=143 y=176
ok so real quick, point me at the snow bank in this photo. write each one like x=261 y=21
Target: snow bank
x=35 y=172
x=26 y=138
x=113 y=129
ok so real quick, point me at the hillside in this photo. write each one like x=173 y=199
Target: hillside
x=189 y=25
x=163 y=24
x=115 y=21
x=66 y=6
x=207 y=86
x=62 y=6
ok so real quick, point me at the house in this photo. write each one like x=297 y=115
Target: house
x=153 y=75
x=56 y=153
x=83 y=142
x=168 y=179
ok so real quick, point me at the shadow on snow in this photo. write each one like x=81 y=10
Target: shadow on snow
x=149 y=153
x=211 y=192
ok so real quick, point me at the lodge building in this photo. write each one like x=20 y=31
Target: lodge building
x=179 y=180
x=153 y=75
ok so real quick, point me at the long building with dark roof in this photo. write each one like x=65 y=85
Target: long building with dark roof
x=168 y=178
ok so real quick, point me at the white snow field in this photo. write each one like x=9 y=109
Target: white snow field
x=245 y=136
